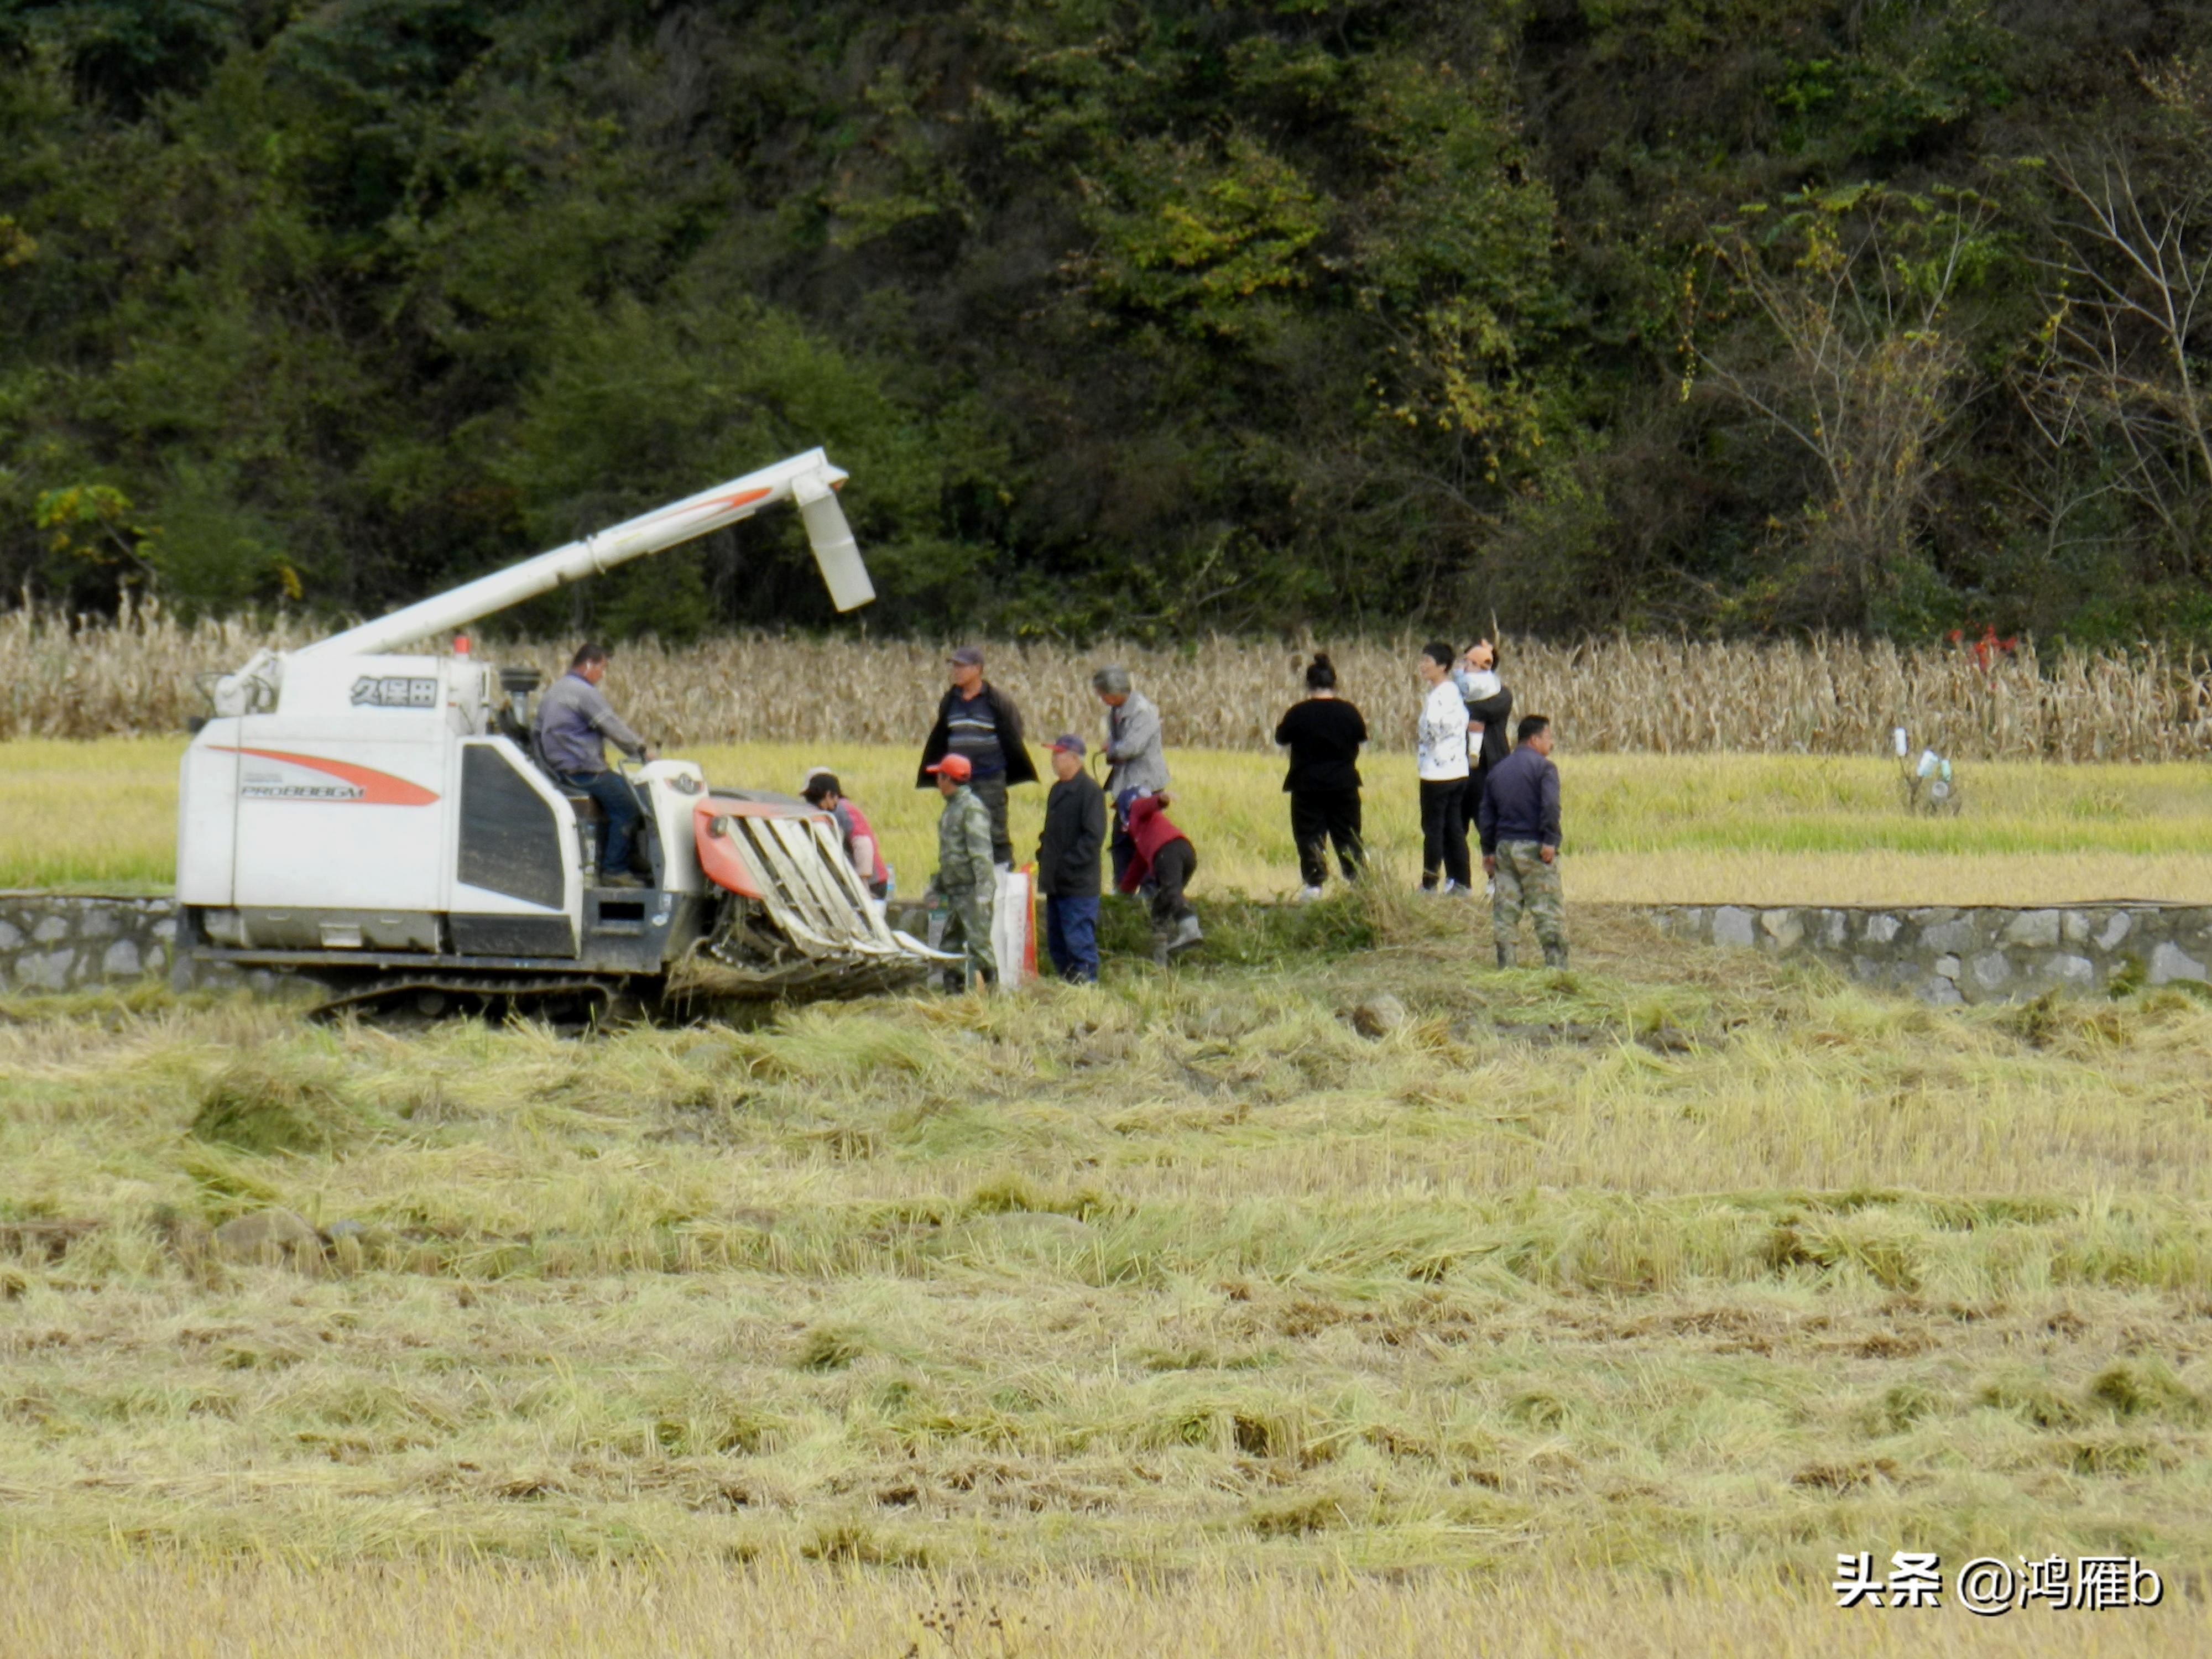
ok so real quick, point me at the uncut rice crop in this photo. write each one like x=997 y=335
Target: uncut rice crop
x=141 y=674
x=1640 y=828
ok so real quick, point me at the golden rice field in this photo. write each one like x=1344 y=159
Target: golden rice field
x=64 y=1607
x=140 y=677
x=1640 y=828
x=1574 y=1313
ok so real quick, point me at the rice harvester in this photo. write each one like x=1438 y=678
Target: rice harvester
x=374 y=820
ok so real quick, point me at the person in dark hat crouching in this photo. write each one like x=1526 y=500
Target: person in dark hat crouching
x=1165 y=857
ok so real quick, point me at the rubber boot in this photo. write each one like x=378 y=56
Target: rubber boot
x=1555 y=956
x=1187 y=933
x=1505 y=955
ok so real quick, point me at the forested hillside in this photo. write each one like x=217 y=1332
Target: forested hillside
x=1730 y=315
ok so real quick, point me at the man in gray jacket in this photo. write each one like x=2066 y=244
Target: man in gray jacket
x=1136 y=765
x=575 y=724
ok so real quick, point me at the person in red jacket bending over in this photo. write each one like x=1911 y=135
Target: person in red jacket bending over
x=1166 y=858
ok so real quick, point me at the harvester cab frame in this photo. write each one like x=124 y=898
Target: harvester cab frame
x=372 y=818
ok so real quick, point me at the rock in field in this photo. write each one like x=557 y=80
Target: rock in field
x=272 y=1238
x=1379 y=1016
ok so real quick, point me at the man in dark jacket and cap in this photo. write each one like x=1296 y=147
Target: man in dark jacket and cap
x=978 y=721
x=1520 y=828
x=1067 y=864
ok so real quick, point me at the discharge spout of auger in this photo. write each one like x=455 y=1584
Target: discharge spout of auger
x=809 y=480
x=835 y=552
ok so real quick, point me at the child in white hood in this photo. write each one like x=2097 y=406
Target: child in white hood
x=1477 y=681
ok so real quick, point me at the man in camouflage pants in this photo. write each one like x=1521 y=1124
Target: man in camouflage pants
x=964 y=879
x=1519 y=819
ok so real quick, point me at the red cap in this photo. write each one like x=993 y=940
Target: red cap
x=955 y=766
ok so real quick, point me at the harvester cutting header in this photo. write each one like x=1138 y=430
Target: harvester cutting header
x=375 y=820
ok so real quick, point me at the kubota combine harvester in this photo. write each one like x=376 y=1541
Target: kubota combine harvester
x=376 y=823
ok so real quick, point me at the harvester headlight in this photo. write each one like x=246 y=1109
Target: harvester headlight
x=719 y=826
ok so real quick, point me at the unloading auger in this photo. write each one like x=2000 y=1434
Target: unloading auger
x=372 y=820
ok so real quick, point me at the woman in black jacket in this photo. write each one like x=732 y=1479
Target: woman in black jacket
x=1323 y=734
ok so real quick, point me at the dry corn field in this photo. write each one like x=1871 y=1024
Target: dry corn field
x=1828 y=697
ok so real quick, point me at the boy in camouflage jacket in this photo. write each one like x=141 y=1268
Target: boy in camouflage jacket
x=965 y=880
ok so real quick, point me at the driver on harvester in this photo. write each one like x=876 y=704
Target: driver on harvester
x=573 y=718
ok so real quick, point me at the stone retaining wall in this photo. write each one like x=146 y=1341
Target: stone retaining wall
x=1981 y=954
x=58 y=942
